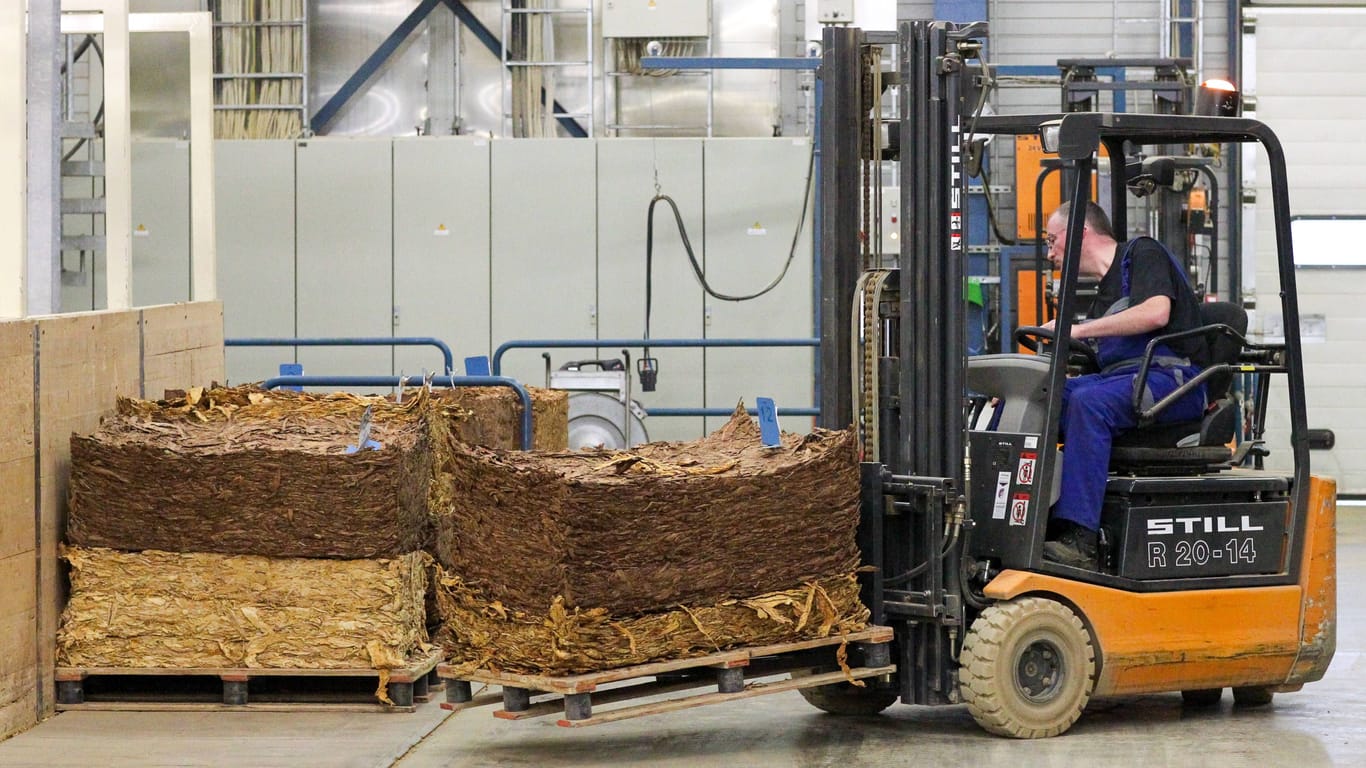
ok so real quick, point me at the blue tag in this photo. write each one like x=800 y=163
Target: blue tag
x=477 y=366
x=768 y=422
x=292 y=369
x=370 y=445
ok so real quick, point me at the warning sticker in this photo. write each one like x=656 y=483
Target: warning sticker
x=1019 y=509
x=1025 y=474
x=998 y=508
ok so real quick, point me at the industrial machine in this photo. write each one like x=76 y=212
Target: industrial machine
x=1215 y=572
x=602 y=413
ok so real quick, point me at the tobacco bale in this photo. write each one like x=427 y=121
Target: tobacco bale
x=477 y=633
x=282 y=488
x=494 y=417
x=665 y=524
x=178 y=610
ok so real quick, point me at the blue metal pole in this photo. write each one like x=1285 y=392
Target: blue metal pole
x=818 y=205
x=415 y=381
x=727 y=411
x=358 y=341
x=641 y=343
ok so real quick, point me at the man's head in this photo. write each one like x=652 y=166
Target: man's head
x=1097 y=239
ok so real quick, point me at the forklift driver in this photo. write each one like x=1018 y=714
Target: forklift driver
x=1143 y=293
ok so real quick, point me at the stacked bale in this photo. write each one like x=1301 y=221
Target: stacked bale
x=560 y=563
x=233 y=529
x=203 y=611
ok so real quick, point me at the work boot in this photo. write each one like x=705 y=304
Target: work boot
x=1074 y=546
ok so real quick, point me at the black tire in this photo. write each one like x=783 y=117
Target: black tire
x=849 y=700
x=1252 y=696
x=1202 y=697
x=1027 y=668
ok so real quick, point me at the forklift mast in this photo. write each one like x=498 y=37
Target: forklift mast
x=901 y=381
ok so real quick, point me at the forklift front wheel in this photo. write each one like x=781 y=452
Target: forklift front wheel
x=1027 y=668
x=1253 y=696
x=1202 y=697
x=849 y=700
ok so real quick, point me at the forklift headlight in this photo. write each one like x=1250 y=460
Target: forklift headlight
x=1049 y=136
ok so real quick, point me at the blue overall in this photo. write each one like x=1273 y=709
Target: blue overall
x=1098 y=407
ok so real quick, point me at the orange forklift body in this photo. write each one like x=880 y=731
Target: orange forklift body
x=1280 y=636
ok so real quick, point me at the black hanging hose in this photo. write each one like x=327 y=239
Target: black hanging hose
x=692 y=257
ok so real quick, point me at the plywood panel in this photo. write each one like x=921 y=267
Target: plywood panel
x=18 y=649
x=85 y=361
x=182 y=346
x=16 y=439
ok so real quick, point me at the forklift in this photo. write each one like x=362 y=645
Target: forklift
x=1215 y=572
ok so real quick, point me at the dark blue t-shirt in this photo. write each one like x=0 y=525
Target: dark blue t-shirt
x=1153 y=272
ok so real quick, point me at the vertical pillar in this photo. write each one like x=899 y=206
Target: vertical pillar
x=44 y=158
x=203 y=233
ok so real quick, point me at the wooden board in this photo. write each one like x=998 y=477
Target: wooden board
x=750 y=691
x=139 y=689
x=182 y=346
x=79 y=363
x=85 y=361
x=585 y=683
x=18 y=533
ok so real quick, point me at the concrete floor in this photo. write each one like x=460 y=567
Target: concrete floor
x=1323 y=725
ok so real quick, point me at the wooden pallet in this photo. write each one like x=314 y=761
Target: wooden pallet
x=576 y=695
x=227 y=689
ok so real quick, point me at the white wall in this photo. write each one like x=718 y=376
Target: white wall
x=1316 y=104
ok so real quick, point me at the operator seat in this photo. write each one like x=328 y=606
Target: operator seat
x=1199 y=446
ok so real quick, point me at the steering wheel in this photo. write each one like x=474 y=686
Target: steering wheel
x=1040 y=340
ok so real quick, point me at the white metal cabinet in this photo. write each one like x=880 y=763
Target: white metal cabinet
x=254 y=206
x=161 y=222
x=754 y=193
x=441 y=248
x=544 y=247
x=344 y=193
x=626 y=178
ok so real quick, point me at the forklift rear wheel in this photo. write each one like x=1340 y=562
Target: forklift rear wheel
x=1027 y=669
x=847 y=699
x=1202 y=697
x=1255 y=696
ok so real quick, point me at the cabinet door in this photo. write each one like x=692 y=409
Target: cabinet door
x=254 y=206
x=626 y=183
x=441 y=249
x=754 y=191
x=345 y=252
x=544 y=271
x=161 y=222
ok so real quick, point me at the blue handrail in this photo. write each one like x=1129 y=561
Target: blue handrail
x=353 y=341
x=589 y=343
x=634 y=343
x=414 y=381
x=727 y=411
